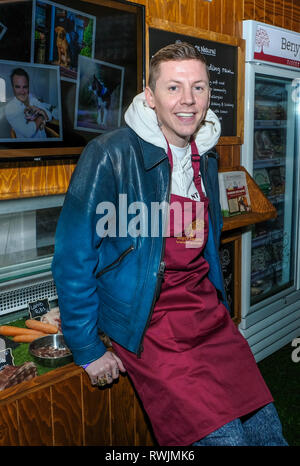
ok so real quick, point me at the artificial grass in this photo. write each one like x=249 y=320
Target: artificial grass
x=21 y=353
x=282 y=377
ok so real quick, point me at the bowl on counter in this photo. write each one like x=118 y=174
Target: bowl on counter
x=51 y=351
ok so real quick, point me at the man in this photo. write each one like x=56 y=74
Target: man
x=25 y=113
x=159 y=296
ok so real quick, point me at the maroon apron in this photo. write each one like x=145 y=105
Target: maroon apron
x=196 y=372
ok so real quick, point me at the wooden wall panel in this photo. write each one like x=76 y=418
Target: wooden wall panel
x=296 y=16
x=288 y=14
x=202 y=15
x=279 y=13
x=249 y=9
x=67 y=413
x=9 y=425
x=36 y=409
x=9 y=179
x=239 y=16
x=122 y=416
x=269 y=11
x=32 y=177
x=168 y=10
x=187 y=12
x=228 y=17
x=96 y=414
x=157 y=9
x=215 y=16
x=259 y=10
x=226 y=158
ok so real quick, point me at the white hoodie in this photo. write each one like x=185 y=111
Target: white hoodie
x=142 y=119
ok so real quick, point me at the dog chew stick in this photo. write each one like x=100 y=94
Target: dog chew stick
x=11 y=331
x=41 y=326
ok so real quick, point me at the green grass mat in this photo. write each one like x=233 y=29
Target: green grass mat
x=21 y=353
x=281 y=375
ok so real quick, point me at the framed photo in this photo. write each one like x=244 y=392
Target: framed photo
x=106 y=35
x=60 y=35
x=30 y=103
x=99 y=95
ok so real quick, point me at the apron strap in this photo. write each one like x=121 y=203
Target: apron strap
x=195 y=163
x=196 y=167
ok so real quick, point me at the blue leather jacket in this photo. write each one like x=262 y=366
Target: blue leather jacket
x=111 y=283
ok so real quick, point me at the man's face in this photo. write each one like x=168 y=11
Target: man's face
x=21 y=88
x=180 y=99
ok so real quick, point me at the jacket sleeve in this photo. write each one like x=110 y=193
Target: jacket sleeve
x=76 y=253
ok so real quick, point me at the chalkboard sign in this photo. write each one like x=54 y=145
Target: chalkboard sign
x=222 y=65
x=38 y=308
x=227 y=263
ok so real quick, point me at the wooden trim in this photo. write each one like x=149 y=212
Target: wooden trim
x=39 y=152
x=216 y=37
x=112 y=4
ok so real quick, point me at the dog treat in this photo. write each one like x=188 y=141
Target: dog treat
x=41 y=326
x=50 y=352
x=52 y=317
x=28 y=337
x=12 y=331
x=13 y=375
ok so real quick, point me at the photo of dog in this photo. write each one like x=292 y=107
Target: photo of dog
x=99 y=94
x=62 y=34
x=103 y=100
x=62 y=47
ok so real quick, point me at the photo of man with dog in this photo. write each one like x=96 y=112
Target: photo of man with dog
x=61 y=35
x=30 y=109
x=99 y=94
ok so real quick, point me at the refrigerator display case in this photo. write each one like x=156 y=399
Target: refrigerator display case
x=27 y=235
x=270 y=250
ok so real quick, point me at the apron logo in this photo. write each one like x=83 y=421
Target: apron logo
x=194 y=234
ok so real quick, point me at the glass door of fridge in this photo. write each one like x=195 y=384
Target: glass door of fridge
x=273 y=248
x=27 y=231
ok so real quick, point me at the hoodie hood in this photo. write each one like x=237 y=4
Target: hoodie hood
x=142 y=120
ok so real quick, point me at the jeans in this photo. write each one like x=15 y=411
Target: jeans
x=262 y=428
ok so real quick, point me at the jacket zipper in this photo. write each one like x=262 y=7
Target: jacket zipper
x=117 y=261
x=160 y=276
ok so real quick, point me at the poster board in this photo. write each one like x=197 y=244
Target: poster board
x=225 y=59
x=99 y=71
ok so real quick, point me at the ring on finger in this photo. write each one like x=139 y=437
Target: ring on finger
x=102 y=381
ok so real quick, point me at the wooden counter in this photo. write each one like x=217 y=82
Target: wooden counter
x=61 y=408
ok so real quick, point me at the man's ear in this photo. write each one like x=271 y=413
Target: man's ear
x=149 y=97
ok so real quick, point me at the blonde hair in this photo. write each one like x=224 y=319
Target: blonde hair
x=177 y=51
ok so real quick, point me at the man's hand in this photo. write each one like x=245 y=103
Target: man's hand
x=105 y=369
